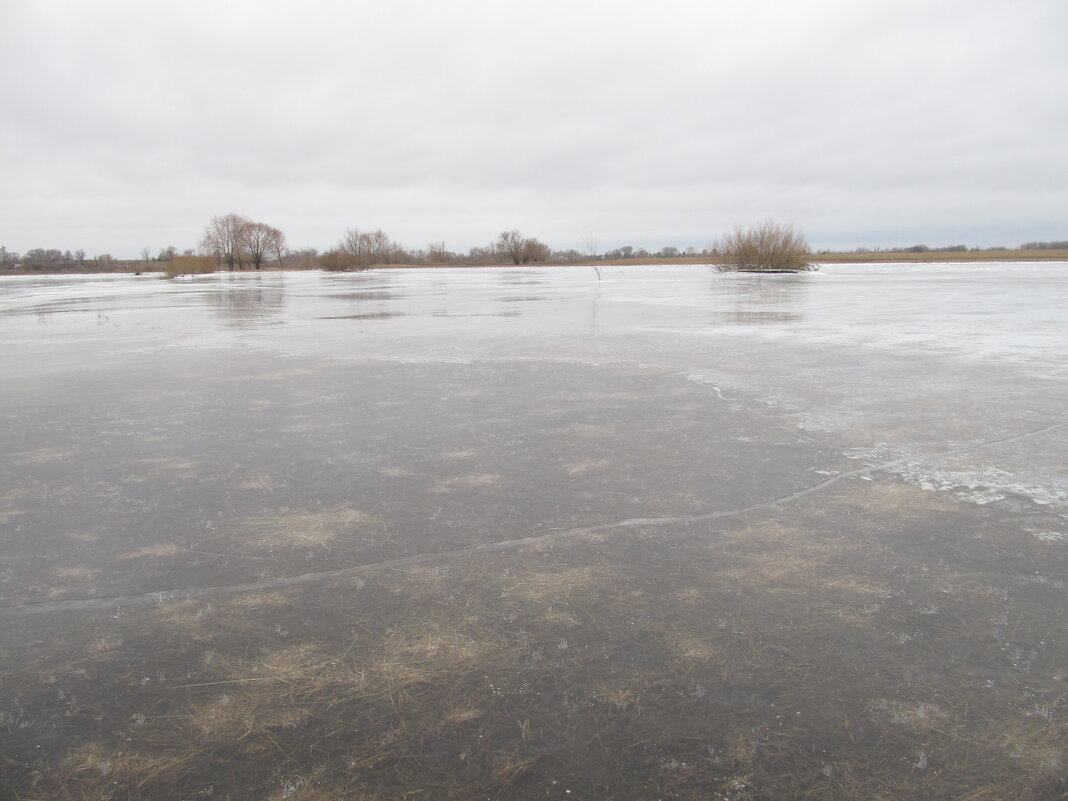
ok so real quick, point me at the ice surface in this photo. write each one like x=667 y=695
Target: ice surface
x=918 y=358
x=1004 y=314
x=522 y=530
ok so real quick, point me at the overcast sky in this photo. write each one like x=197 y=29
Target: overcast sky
x=129 y=123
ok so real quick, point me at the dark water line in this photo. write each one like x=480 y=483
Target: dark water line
x=282 y=582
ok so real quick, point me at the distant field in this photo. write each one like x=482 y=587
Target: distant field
x=942 y=256
x=883 y=256
x=931 y=257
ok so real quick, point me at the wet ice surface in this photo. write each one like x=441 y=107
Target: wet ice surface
x=881 y=362
x=608 y=458
x=1006 y=313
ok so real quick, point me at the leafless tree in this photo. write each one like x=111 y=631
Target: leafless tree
x=510 y=244
x=303 y=259
x=437 y=254
x=223 y=239
x=256 y=242
x=533 y=250
x=353 y=250
x=277 y=246
x=361 y=250
x=520 y=249
x=236 y=240
x=382 y=248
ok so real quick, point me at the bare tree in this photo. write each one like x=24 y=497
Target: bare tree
x=236 y=240
x=353 y=251
x=435 y=253
x=361 y=250
x=256 y=240
x=510 y=243
x=533 y=250
x=277 y=246
x=380 y=247
x=223 y=239
x=303 y=259
x=520 y=249
x=591 y=245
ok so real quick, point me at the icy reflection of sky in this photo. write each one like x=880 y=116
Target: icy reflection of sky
x=1008 y=313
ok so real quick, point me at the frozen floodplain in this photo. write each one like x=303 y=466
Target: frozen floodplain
x=657 y=532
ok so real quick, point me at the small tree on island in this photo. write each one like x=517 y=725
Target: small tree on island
x=765 y=248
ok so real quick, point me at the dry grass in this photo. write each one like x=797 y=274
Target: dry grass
x=190 y=265
x=470 y=481
x=771 y=657
x=300 y=530
x=157 y=551
x=942 y=256
x=930 y=257
x=42 y=456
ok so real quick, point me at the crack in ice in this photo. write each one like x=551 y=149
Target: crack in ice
x=282 y=582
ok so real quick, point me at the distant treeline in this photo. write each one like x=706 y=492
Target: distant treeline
x=236 y=242
x=1062 y=245
x=953 y=248
x=920 y=249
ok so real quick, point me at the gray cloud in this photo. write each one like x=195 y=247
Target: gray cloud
x=128 y=124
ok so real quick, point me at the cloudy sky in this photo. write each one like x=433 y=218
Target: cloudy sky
x=129 y=123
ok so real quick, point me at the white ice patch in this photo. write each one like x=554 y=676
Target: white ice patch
x=879 y=452
x=1050 y=536
x=982 y=485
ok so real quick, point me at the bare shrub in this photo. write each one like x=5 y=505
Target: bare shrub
x=337 y=261
x=765 y=248
x=190 y=265
x=361 y=250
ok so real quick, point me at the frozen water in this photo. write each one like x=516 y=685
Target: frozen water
x=506 y=530
x=1008 y=313
x=908 y=358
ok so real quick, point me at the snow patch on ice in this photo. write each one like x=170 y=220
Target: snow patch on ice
x=1050 y=536
x=982 y=485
